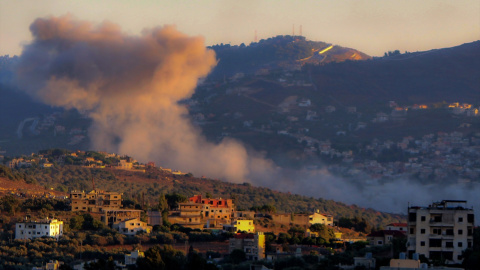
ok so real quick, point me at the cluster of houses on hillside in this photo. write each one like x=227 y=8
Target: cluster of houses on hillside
x=441 y=230
x=440 y=156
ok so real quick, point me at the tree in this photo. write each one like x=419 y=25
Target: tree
x=323 y=231
x=237 y=256
x=152 y=260
x=162 y=203
x=174 y=199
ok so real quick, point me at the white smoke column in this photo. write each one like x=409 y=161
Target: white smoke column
x=129 y=86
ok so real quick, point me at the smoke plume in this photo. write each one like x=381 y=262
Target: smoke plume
x=130 y=86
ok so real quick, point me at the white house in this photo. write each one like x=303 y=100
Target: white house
x=35 y=229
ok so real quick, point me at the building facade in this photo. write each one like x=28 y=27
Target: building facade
x=37 y=229
x=441 y=231
x=95 y=201
x=252 y=244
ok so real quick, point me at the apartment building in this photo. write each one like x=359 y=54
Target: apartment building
x=440 y=231
x=95 y=201
x=37 y=229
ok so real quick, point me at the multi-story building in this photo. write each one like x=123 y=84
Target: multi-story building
x=96 y=201
x=200 y=212
x=215 y=208
x=37 y=229
x=189 y=215
x=252 y=244
x=440 y=231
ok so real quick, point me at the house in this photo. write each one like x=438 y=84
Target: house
x=36 y=229
x=397 y=227
x=133 y=256
x=252 y=244
x=132 y=227
x=240 y=225
x=443 y=230
x=154 y=218
x=384 y=237
x=111 y=217
x=367 y=262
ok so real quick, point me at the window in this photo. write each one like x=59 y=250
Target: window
x=449 y=244
x=422 y=243
x=469 y=244
x=460 y=219
x=379 y=242
x=435 y=242
x=460 y=232
x=412 y=230
x=423 y=218
x=19 y=226
x=460 y=244
x=470 y=218
x=45 y=227
x=422 y=231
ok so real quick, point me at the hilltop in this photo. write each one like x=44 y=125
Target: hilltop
x=280 y=52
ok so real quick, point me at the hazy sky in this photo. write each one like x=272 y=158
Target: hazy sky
x=369 y=26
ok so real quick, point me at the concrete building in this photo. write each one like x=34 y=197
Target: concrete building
x=441 y=231
x=252 y=244
x=189 y=215
x=133 y=256
x=384 y=237
x=96 y=201
x=112 y=217
x=132 y=227
x=36 y=229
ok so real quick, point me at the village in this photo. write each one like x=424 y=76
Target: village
x=259 y=237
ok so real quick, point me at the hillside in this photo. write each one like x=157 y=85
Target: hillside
x=147 y=186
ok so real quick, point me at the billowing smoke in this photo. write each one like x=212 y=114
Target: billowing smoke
x=130 y=86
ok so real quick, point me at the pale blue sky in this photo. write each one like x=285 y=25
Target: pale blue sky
x=371 y=26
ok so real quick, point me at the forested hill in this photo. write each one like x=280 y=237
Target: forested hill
x=278 y=52
x=147 y=186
